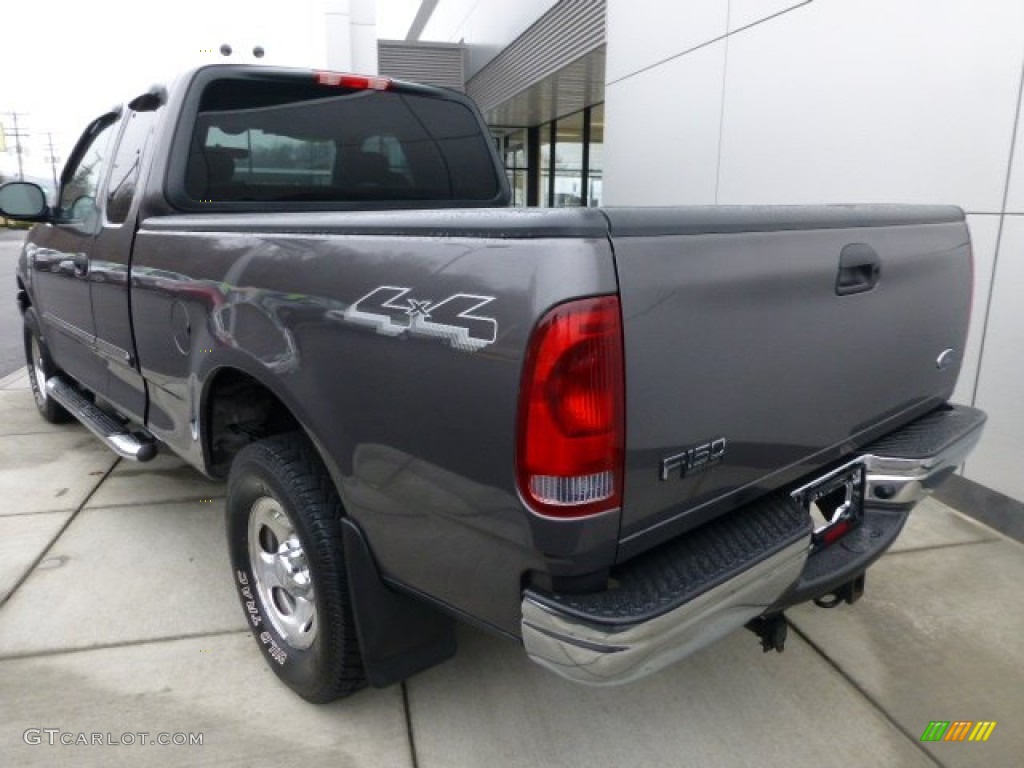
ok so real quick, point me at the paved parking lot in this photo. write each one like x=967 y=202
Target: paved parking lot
x=117 y=618
x=12 y=353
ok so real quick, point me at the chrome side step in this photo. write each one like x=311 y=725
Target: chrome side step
x=99 y=422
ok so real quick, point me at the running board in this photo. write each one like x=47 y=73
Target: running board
x=118 y=438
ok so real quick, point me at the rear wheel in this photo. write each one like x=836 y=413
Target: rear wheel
x=284 y=538
x=40 y=368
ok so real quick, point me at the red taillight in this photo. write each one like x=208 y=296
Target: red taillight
x=571 y=411
x=359 y=82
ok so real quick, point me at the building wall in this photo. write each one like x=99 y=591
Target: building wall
x=351 y=32
x=775 y=102
x=487 y=26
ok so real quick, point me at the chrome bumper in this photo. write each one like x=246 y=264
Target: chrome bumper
x=907 y=465
x=586 y=652
x=598 y=653
x=895 y=482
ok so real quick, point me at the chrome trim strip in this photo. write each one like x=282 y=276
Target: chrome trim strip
x=101 y=346
x=597 y=654
x=114 y=352
x=70 y=329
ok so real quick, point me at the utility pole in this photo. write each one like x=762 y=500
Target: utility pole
x=51 y=158
x=17 y=134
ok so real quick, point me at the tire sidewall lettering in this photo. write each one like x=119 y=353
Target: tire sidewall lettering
x=286 y=468
x=291 y=663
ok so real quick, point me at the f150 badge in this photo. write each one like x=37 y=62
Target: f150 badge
x=391 y=311
x=693 y=459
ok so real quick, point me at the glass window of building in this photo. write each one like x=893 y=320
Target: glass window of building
x=557 y=164
x=514 y=155
x=547 y=135
x=595 y=156
x=569 y=157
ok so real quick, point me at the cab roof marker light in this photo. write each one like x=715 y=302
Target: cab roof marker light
x=359 y=82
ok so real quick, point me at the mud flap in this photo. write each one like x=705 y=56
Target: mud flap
x=398 y=634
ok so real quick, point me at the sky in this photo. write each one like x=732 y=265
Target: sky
x=65 y=62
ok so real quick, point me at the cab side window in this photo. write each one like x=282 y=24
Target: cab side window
x=78 y=204
x=124 y=176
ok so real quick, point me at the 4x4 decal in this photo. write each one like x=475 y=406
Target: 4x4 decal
x=391 y=311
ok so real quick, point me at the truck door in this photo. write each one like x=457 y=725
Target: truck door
x=59 y=257
x=109 y=261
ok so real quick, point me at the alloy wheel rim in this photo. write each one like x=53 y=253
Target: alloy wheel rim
x=282 y=573
x=37 y=369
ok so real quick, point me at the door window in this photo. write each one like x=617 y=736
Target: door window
x=124 y=176
x=78 y=204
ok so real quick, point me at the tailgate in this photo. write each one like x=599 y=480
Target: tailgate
x=764 y=343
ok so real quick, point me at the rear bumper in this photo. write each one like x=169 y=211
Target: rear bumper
x=907 y=465
x=607 y=654
x=671 y=602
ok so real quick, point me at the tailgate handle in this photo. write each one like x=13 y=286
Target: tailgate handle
x=859 y=269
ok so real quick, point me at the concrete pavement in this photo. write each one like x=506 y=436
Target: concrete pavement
x=117 y=618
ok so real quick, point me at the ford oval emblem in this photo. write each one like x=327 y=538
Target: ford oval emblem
x=946 y=359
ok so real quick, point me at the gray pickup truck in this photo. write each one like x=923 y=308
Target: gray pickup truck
x=613 y=435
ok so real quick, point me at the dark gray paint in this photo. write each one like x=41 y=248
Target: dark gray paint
x=54 y=269
x=421 y=435
x=731 y=219
x=501 y=223
x=732 y=327
x=741 y=335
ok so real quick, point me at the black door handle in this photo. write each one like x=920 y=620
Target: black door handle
x=859 y=269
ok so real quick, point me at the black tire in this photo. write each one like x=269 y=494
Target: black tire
x=40 y=368
x=319 y=659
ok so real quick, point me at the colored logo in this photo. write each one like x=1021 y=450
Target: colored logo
x=958 y=730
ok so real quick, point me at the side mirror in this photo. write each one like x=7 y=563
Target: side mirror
x=22 y=200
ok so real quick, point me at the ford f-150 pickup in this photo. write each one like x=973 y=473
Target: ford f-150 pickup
x=612 y=434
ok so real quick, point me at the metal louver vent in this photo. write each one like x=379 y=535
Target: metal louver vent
x=441 y=64
x=571 y=29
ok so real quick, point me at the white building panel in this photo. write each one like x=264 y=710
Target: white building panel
x=661 y=132
x=1015 y=196
x=642 y=33
x=351 y=35
x=984 y=233
x=743 y=13
x=487 y=26
x=998 y=460
x=338 y=27
x=841 y=101
x=364 y=49
x=363 y=11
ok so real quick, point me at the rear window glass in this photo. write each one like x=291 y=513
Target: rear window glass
x=276 y=141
